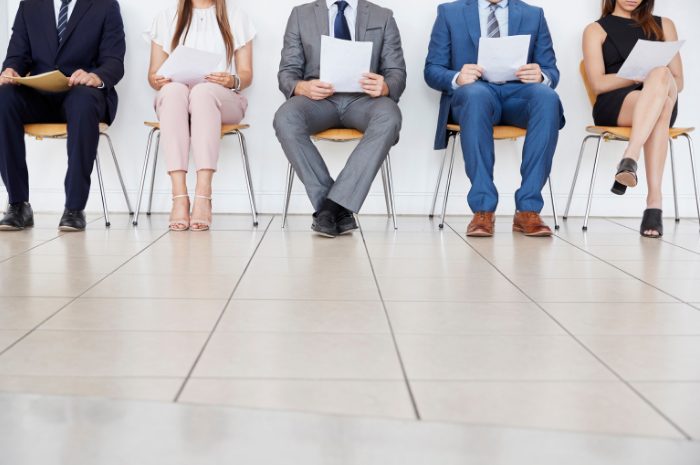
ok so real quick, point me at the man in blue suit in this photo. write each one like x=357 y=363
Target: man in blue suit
x=84 y=39
x=477 y=105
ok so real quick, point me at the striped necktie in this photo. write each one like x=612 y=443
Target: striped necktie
x=493 y=30
x=63 y=19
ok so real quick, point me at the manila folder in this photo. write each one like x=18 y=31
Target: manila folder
x=54 y=81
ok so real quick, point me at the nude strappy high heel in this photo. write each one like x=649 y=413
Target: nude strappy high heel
x=184 y=223
x=206 y=223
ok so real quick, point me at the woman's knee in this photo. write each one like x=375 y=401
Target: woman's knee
x=660 y=75
x=204 y=93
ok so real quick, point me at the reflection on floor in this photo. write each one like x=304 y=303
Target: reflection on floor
x=595 y=332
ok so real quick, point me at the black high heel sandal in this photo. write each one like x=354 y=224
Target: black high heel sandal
x=652 y=221
x=625 y=177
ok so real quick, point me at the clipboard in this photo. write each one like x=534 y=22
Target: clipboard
x=55 y=81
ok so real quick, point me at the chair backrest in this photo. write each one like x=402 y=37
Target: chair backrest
x=591 y=95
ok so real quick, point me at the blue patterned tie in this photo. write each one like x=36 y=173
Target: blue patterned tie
x=342 y=30
x=493 y=29
x=63 y=19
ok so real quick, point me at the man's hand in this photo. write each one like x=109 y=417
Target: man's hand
x=530 y=74
x=315 y=90
x=469 y=74
x=374 y=85
x=9 y=72
x=81 y=78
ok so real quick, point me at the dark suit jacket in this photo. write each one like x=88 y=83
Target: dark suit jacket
x=455 y=43
x=94 y=42
x=301 y=55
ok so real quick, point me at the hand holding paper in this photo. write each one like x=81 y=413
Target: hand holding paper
x=344 y=62
x=54 y=81
x=502 y=57
x=647 y=55
x=189 y=66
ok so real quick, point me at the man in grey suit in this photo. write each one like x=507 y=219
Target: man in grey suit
x=313 y=106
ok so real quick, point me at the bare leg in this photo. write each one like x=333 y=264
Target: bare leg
x=181 y=206
x=202 y=207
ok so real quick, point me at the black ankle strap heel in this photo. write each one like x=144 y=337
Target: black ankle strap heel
x=652 y=221
x=626 y=174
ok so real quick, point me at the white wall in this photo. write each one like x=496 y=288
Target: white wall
x=415 y=163
x=3 y=26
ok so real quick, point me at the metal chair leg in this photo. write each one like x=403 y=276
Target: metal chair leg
x=673 y=177
x=7 y=205
x=248 y=177
x=439 y=179
x=390 y=185
x=578 y=167
x=385 y=186
x=153 y=175
x=119 y=172
x=102 y=190
x=554 y=203
x=449 y=181
x=143 y=176
x=590 y=191
x=287 y=193
x=695 y=173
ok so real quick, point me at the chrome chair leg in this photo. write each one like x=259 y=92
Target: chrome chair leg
x=153 y=175
x=7 y=205
x=119 y=172
x=449 y=181
x=439 y=179
x=590 y=191
x=102 y=189
x=248 y=177
x=287 y=194
x=143 y=176
x=554 y=203
x=673 y=177
x=695 y=173
x=390 y=184
x=385 y=186
x=578 y=167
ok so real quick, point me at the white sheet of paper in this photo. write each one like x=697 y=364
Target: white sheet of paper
x=189 y=66
x=502 y=57
x=343 y=62
x=647 y=55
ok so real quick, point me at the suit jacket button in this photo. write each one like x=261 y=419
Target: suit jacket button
x=56 y=67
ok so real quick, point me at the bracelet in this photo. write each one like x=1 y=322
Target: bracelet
x=237 y=83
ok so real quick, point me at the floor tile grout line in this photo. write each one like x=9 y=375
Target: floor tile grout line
x=661 y=239
x=589 y=350
x=414 y=403
x=73 y=299
x=221 y=315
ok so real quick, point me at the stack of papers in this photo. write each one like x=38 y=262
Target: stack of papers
x=54 y=81
x=343 y=62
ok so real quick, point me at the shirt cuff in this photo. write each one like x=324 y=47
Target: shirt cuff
x=546 y=81
x=455 y=86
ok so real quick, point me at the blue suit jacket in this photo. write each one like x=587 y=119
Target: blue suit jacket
x=94 y=42
x=455 y=42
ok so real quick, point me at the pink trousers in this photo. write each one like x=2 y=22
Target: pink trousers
x=193 y=115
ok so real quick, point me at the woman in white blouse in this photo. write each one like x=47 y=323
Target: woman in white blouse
x=193 y=115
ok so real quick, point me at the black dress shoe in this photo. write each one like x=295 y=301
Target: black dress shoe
x=18 y=217
x=72 y=220
x=346 y=223
x=324 y=224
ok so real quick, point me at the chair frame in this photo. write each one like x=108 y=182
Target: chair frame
x=246 y=174
x=387 y=182
x=455 y=136
x=99 y=173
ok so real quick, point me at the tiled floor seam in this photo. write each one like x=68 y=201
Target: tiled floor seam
x=660 y=239
x=391 y=329
x=223 y=311
x=584 y=346
x=81 y=294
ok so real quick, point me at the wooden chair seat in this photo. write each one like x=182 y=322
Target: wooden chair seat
x=339 y=135
x=52 y=130
x=225 y=128
x=625 y=133
x=499 y=132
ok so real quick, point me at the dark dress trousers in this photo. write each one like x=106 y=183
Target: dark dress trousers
x=94 y=42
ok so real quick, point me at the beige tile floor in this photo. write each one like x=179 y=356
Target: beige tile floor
x=595 y=332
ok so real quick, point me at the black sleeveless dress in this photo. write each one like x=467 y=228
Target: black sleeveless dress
x=623 y=35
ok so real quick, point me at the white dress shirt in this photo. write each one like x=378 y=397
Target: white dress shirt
x=350 y=16
x=57 y=8
x=502 y=17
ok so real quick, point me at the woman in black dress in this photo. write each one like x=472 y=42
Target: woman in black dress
x=648 y=105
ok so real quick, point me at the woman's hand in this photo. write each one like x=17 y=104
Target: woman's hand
x=224 y=79
x=160 y=81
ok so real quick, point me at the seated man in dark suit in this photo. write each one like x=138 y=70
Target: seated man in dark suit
x=84 y=39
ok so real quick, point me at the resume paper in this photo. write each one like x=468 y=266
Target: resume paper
x=189 y=66
x=647 y=55
x=55 y=81
x=343 y=62
x=502 y=57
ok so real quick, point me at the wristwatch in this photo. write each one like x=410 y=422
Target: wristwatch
x=237 y=81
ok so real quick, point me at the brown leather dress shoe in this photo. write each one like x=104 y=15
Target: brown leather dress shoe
x=483 y=225
x=530 y=224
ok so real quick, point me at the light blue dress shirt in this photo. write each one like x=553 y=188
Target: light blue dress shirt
x=502 y=17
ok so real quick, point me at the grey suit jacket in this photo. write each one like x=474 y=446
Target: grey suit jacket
x=301 y=55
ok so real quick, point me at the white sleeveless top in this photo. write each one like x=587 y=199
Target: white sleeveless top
x=204 y=32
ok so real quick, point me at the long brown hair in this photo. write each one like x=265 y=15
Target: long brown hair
x=184 y=20
x=643 y=15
